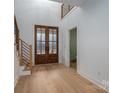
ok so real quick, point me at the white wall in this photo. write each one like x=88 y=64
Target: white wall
x=16 y=66
x=41 y=12
x=92 y=22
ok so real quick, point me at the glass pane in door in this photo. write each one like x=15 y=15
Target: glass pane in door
x=39 y=48
x=41 y=35
x=41 y=38
x=52 y=34
x=43 y=44
x=52 y=41
x=52 y=48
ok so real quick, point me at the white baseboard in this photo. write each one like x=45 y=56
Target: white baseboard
x=96 y=82
x=16 y=81
x=23 y=73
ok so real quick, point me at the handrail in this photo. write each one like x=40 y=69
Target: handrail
x=27 y=46
x=23 y=41
x=25 y=53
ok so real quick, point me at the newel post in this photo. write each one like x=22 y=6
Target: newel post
x=30 y=56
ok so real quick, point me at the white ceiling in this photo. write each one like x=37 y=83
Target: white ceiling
x=71 y=2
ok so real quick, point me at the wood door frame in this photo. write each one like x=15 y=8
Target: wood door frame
x=35 y=29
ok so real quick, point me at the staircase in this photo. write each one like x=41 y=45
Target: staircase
x=23 y=53
x=25 y=57
x=22 y=60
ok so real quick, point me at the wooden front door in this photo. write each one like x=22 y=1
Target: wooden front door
x=46 y=44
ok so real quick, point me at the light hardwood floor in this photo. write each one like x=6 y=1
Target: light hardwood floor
x=55 y=78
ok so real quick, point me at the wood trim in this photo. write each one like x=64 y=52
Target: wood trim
x=26 y=47
x=58 y=43
x=21 y=53
x=35 y=29
x=26 y=55
x=16 y=33
x=25 y=43
x=26 y=58
x=44 y=26
x=62 y=11
x=30 y=56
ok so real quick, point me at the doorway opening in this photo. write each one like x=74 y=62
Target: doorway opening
x=73 y=48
